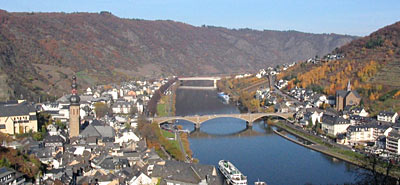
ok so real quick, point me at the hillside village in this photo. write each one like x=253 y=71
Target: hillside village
x=339 y=118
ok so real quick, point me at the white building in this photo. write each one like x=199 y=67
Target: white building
x=314 y=116
x=387 y=116
x=392 y=141
x=143 y=179
x=334 y=125
x=126 y=137
x=360 y=133
x=121 y=107
x=360 y=112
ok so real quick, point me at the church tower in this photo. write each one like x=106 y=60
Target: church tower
x=74 y=108
x=348 y=86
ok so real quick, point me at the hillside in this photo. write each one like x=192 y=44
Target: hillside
x=372 y=63
x=38 y=51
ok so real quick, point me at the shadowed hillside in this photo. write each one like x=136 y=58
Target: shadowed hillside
x=38 y=51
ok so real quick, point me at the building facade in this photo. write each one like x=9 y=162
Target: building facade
x=334 y=125
x=18 y=118
x=360 y=133
x=387 y=116
x=392 y=142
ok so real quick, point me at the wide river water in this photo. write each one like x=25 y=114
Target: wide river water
x=259 y=154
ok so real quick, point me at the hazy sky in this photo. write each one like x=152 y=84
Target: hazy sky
x=353 y=17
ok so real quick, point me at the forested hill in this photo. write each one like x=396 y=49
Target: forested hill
x=371 y=63
x=38 y=51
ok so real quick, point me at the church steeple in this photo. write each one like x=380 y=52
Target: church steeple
x=348 y=86
x=74 y=99
x=74 y=110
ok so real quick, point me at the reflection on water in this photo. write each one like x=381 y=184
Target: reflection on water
x=201 y=102
x=267 y=157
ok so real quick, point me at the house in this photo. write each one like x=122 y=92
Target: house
x=18 y=118
x=319 y=99
x=359 y=111
x=347 y=98
x=387 y=116
x=357 y=120
x=334 y=125
x=174 y=173
x=314 y=115
x=9 y=176
x=55 y=143
x=126 y=137
x=360 y=133
x=99 y=130
x=393 y=141
x=121 y=107
x=142 y=179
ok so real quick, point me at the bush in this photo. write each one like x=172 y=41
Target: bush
x=316 y=88
x=374 y=42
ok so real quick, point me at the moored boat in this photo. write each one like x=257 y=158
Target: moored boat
x=231 y=173
x=223 y=96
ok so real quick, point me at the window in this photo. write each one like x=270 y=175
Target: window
x=2 y=126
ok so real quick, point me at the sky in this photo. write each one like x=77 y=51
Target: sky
x=351 y=17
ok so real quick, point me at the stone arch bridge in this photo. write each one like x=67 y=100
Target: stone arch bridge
x=198 y=120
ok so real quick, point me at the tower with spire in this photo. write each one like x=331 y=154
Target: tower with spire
x=348 y=86
x=74 y=110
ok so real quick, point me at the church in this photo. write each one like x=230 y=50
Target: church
x=347 y=98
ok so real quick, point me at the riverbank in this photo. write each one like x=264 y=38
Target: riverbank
x=330 y=149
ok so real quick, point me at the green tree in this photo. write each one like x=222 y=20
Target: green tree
x=101 y=109
x=4 y=162
x=60 y=124
x=38 y=136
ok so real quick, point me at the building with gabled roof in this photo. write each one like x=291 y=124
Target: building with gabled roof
x=347 y=98
x=334 y=125
x=387 y=116
x=10 y=176
x=174 y=172
x=18 y=118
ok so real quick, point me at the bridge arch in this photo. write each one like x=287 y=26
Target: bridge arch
x=268 y=116
x=216 y=117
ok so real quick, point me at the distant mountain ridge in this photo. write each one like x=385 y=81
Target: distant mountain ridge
x=38 y=51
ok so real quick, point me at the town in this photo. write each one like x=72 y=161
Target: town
x=93 y=138
x=90 y=138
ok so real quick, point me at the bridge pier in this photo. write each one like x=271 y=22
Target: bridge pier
x=249 y=124
x=197 y=126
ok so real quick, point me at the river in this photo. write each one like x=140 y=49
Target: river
x=259 y=154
